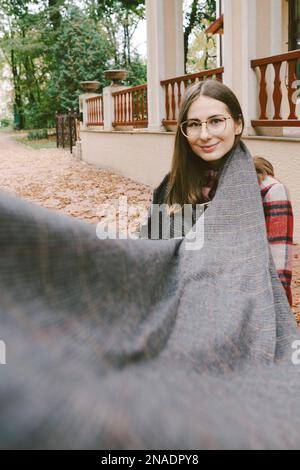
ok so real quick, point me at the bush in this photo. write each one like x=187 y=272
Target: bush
x=36 y=135
x=5 y=122
x=36 y=117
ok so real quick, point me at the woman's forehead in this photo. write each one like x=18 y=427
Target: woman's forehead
x=205 y=107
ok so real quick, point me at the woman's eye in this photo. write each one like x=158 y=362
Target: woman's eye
x=193 y=124
x=216 y=121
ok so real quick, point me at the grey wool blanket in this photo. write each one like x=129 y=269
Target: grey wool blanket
x=146 y=344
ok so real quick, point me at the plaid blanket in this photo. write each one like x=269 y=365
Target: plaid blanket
x=147 y=344
x=279 y=224
x=278 y=216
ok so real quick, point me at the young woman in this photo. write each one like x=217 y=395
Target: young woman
x=210 y=126
x=279 y=221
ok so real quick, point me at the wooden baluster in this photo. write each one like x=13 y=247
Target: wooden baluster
x=115 y=109
x=135 y=107
x=138 y=105
x=125 y=106
x=129 y=107
x=173 y=102
x=179 y=93
x=167 y=101
x=263 y=94
x=136 y=102
x=146 y=95
x=277 y=94
x=143 y=105
x=98 y=111
x=131 y=104
x=120 y=108
x=292 y=88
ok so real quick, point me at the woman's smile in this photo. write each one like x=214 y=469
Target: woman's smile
x=209 y=148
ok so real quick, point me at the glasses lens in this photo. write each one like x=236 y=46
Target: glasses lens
x=192 y=129
x=216 y=125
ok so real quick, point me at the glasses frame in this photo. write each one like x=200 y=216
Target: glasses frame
x=204 y=122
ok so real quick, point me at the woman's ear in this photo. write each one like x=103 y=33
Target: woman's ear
x=238 y=127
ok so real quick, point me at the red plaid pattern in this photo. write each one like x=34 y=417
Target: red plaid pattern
x=279 y=224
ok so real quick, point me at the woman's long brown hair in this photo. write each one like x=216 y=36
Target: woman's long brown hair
x=187 y=170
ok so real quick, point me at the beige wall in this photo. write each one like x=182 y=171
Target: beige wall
x=142 y=156
x=146 y=157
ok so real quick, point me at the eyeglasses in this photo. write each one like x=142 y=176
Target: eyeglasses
x=192 y=128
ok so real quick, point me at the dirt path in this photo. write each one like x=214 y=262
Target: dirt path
x=59 y=181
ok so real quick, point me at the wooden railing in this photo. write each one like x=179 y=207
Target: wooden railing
x=95 y=111
x=175 y=89
x=131 y=107
x=280 y=96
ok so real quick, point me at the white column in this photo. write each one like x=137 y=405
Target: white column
x=228 y=43
x=219 y=37
x=249 y=99
x=239 y=50
x=165 y=53
x=108 y=106
x=276 y=14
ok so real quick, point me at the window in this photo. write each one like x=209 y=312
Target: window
x=294 y=26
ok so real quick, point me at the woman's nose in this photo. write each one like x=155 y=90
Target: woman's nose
x=204 y=134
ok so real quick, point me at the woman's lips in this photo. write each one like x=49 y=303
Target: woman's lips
x=209 y=148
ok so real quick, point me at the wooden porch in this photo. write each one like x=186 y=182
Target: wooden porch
x=278 y=93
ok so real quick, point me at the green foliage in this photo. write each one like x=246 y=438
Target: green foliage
x=137 y=72
x=5 y=122
x=53 y=45
x=39 y=134
x=198 y=13
x=86 y=57
x=202 y=53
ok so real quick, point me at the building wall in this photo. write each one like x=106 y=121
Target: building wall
x=146 y=157
x=5 y=93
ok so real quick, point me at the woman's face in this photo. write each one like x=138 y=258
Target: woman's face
x=207 y=145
